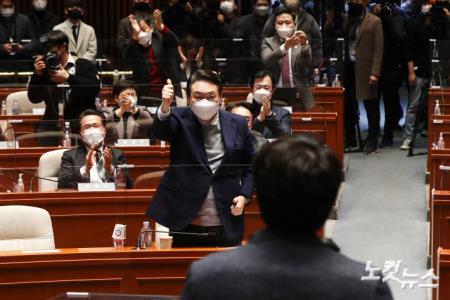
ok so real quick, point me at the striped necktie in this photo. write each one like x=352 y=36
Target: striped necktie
x=100 y=166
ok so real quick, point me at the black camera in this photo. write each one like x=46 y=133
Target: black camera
x=387 y=8
x=51 y=61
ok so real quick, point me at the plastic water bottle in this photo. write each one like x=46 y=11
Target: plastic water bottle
x=146 y=235
x=67 y=143
x=336 y=82
x=4 y=113
x=10 y=137
x=441 y=143
x=437 y=108
x=325 y=79
x=98 y=104
x=19 y=185
x=120 y=178
x=316 y=77
x=116 y=77
x=15 y=108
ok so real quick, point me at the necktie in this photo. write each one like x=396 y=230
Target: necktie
x=101 y=166
x=285 y=71
x=75 y=33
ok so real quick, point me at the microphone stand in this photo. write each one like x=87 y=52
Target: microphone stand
x=139 y=240
x=43 y=178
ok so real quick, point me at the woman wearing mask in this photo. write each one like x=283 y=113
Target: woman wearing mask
x=127 y=120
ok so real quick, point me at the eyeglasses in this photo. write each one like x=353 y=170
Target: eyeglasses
x=88 y=126
x=129 y=94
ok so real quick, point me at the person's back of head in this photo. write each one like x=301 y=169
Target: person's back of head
x=296 y=181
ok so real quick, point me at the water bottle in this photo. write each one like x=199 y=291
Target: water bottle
x=441 y=143
x=146 y=235
x=98 y=104
x=120 y=178
x=325 y=79
x=19 y=185
x=336 y=82
x=15 y=108
x=67 y=143
x=116 y=77
x=437 y=108
x=316 y=77
x=10 y=137
x=4 y=113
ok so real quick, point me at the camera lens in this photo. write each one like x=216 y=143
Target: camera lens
x=51 y=61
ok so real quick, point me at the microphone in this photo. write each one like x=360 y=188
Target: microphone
x=139 y=240
x=43 y=178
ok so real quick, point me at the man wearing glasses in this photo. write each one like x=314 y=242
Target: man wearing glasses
x=209 y=179
x=92 y=161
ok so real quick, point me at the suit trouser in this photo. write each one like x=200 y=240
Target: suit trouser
x=417 y=93
x=351 y=112
x=390 y=85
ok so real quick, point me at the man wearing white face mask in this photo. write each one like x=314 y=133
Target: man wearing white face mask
x=127 y=120
x=42 y=20
x=209 y=179
x=272 y=121
x=287 y=55
x=92 y=161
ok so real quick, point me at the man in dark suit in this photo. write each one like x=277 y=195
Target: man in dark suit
x=41 y=18
x=272 y=121
x=287 y=55
x=296 y=181
x=17 y=39
x=74 y=82
x=209 y=179
x=92 y=161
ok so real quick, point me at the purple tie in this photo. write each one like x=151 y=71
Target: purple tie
x=286 y=80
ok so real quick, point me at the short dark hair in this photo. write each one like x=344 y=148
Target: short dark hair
x=73 y=3
x=283 y=10
x=204 y=75
x=54 y=38
x=261 y=74
x=92 y=112
x=296 y=182
x=243 y=104
x=123 y=85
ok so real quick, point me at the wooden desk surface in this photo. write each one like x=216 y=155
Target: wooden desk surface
x=443 y=272
x=39 y=276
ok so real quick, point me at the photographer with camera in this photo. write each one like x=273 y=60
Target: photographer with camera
x=393 y=66
x=432 y=23
x=58 y=79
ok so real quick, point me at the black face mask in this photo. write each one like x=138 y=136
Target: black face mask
x=355 y=9
x=74 y=14
x=141 y=6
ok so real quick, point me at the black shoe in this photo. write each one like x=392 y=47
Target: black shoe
x=371 y=147
x=387 y=141
x=351 y=147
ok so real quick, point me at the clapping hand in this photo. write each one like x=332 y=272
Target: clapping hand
x=168 y=93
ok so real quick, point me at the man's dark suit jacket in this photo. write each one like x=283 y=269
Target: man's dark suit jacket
x=84 y=85
x=275 y=126
x=186 y=182
x=271 y=267
x=72 y=160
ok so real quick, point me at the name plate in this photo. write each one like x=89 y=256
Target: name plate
x=133 y=142
x=38 y=111
x=152 y=109
x=41 y=251
x=97 y=187
x=4 y=145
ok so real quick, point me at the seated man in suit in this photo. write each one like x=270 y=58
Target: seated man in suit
x=61 y=77
x=244 y=109
x=271 y=121
x=93 y=161
x=82 y=38
x=297 y=181
x=287 y=55
x=127 y=120
x=209 y=179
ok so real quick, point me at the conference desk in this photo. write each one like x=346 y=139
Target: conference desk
x=87 y=219
x=42 y=275
x=443 y=272
x=26 y=161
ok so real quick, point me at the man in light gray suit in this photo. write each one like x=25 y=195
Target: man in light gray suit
x=82 y=38
x=296 y=181
x=287 y=55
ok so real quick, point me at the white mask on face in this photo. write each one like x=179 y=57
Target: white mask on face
x=261 y=10
x=284 y=31
x=258 y=95
x=426 y=8
x=133 y=101
x=7 y=12
x=204 y=109
x=145 y=38
x=226 y=7
x=93 y=136
x=40 y=5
